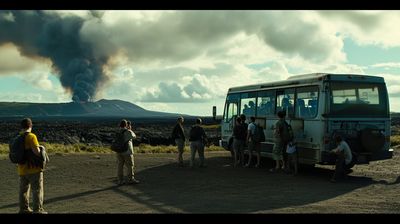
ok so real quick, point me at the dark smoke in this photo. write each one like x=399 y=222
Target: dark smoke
x=49 y=35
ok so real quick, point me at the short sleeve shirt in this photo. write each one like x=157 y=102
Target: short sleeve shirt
x=251 y=128
x=345 y=148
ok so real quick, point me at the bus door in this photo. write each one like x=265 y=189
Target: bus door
x=230 y=114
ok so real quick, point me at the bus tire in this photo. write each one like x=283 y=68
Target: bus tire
x=372 y=140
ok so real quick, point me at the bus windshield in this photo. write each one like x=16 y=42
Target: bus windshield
x=358 y=99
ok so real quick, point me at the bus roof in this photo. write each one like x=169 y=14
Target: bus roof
x=310 y=79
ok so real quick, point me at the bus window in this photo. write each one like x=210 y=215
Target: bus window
x=285 y=101
x=248 y=104
x=358 y=99
x=231 y=107
x=306 y=102
x=266 y=103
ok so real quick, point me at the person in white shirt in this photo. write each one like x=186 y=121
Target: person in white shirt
x=343 y=158
x=251 y=144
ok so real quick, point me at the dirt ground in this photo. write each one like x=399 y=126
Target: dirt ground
x=86 y=183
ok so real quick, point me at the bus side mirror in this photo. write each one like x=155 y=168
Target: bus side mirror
x=214 y=112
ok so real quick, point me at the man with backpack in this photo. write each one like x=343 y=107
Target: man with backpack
x=255 y=135
x=283 y=135
x=178 y=134
x=123 y=146
x=30 y=173
x=198 y=140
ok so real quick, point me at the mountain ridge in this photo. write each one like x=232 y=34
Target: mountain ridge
x=101 y=108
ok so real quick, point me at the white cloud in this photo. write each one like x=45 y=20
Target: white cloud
x=21 y=97
x=160 y=57
x=12 y=62
x=366 y=27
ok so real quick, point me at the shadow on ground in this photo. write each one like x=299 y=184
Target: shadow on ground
x=220 y=188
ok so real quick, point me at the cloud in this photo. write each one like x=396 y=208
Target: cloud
x=196 y=90
x=184 y=35
x=38 y=81
x=21 y=97
x=365 y=27
x=12 y=62
x=386 y=65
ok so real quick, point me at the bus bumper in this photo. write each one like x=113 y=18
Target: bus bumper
x=330 y=159
x=382 y=155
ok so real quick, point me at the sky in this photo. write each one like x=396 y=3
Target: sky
x=185 y=61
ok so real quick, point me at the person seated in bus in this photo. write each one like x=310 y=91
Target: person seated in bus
x=301 y=110
x=343 y=158
x=268 y=108
x=246 y=109
x=313 y=107
x=252 y=108
x=262 y=109
x=287 y=106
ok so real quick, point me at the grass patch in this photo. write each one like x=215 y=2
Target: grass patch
x=211 y=126
x=394 y=140
x=84 y=148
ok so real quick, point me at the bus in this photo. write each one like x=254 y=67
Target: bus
x=318 y=106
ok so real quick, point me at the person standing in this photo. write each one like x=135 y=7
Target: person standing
x=277 y=151
x=125 y=157
x=30 y=176
x=239 y=138
x=198 y=140
x=178 y=134
x=252 y=144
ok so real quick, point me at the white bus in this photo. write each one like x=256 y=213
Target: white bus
x=317 y=106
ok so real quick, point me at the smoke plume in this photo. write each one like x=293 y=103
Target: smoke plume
x=49 y=35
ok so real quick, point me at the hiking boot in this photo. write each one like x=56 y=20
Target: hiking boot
x=120 y=182
x=133 y=181
x=42 y=211
x=333 y=180
x=26 y=211
x=348 y=171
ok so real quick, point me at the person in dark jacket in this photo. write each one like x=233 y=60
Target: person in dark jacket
x=198 y=140
x=239 y=138
x=178 y=134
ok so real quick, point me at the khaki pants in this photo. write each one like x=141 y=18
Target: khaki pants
x=199 y=147
x=181 y=145
x=25 y=183
x=128 y=161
